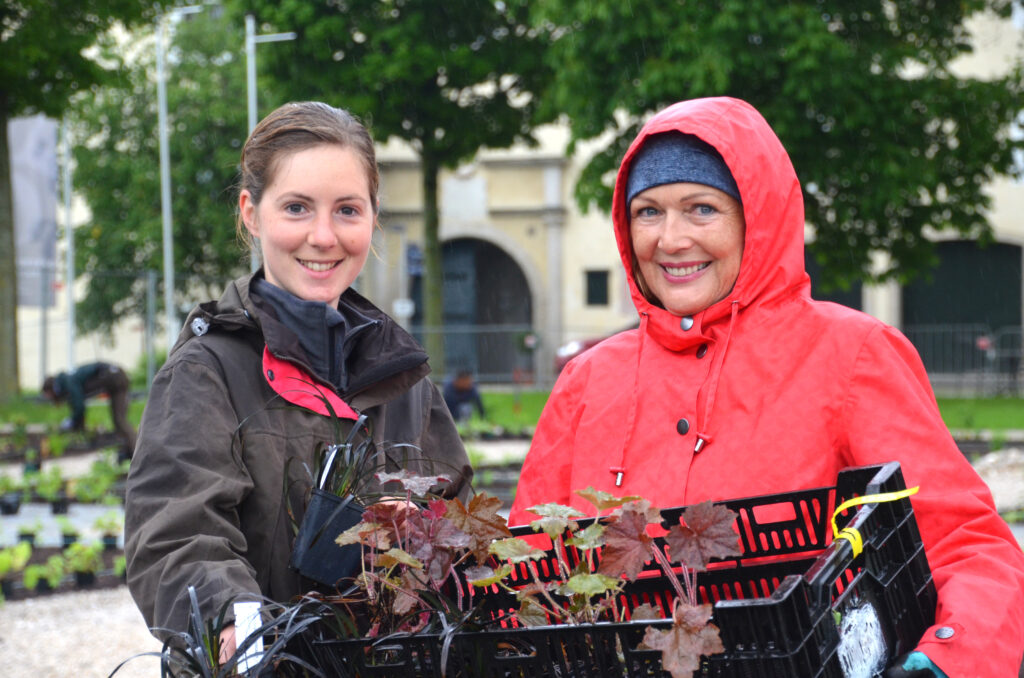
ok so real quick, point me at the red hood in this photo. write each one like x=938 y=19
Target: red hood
x=773 y=255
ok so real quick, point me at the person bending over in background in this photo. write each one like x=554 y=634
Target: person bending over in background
x=88 y=381
x=738 y=384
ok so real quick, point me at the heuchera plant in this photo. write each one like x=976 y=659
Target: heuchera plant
x=412 y=547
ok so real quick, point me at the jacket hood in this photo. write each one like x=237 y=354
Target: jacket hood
x=773 y=256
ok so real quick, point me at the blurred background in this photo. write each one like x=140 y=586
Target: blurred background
x=500 y=125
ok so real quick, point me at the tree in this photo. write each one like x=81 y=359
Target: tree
x=447 y=77
x=42 y=62
x=887 y=141
x=118 y=169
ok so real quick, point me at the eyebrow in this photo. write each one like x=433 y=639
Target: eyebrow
x=293 y=195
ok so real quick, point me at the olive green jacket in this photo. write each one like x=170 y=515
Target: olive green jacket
x=206 y=502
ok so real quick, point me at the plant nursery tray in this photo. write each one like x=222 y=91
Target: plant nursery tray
x=794 y=604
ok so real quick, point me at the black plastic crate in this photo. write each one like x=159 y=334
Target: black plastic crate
x=794 y=604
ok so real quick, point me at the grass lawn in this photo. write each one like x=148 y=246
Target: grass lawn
x=518 y=410
x=993 y=414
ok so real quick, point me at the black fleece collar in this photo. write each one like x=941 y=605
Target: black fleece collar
x=325 y=334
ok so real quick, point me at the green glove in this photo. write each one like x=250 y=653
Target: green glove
x=914 y=665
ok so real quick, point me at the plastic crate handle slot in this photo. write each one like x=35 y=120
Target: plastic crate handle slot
x=852 y=534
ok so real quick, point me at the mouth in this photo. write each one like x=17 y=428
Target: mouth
x=318 y=266
x=681 y=271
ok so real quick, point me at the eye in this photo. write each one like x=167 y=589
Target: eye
x=645 y=212
x=348 y=211
x=705 y=210
x=294 y=208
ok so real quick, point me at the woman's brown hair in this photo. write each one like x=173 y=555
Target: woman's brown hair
x=295 y=127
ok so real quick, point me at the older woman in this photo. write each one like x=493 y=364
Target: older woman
x=737 y=383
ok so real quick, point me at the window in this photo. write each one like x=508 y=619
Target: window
x=597 y=288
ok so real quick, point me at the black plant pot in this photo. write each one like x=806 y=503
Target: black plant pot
x=85 y=579
x=68 y=539
x=30 y=538
x=109 y=542
x=6 y=588
x=10 y=502
x=59 y=505
x=315 y=554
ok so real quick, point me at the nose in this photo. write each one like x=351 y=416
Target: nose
x=321 y=232
x=676 y=234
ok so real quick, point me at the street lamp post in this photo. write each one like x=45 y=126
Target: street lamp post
x=251 y=40
x=165 y=170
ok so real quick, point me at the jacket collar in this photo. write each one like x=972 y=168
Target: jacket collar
x=386 y=359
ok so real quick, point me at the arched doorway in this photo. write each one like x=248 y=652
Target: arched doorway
x=487 y=310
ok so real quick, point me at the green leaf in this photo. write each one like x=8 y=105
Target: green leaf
x=395 y=556
x=481 y=575
x=589 y=538
x=515 y=550
x=603 y=500
x=593 y=584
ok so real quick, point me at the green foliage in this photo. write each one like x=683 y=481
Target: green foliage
x=67 y=527
x=110 y=524
x=31 y=529
x=44 y=59
x=886 y=139
x=117 y=168
x=84 y=558
x=52 y=572
x=13 y=559
x=49 y=483
x=994 y=414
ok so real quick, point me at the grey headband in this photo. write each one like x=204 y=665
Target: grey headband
x=676 y=157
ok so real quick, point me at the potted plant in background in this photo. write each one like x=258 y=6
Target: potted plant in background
x=84 y=561
x=110 y=526
x=11 y=490
x=69 y=532
x=28 y=532
x=50 y=488
x=45 y=577
x=13 y=560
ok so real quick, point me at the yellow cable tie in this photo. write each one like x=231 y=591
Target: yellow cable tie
x=852 y=534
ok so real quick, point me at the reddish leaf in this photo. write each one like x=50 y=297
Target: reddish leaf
x=627 y=546
x=682 y=645
x=708 y=533
x=480 y=520
x=412 y=482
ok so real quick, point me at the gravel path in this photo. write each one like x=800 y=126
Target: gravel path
x=85 y=634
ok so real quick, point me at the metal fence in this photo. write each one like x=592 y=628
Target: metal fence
x=971 y=359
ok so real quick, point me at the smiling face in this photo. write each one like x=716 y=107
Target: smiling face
x=314 y=222
x=688 y=243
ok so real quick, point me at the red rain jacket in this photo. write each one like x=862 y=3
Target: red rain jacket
x=770 y=391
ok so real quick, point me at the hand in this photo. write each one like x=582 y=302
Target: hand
x=914 y=665
x=227 y=644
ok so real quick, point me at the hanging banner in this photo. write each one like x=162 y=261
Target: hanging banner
x=33 y=149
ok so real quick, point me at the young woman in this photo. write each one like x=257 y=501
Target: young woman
x=738 y=384
x=284 y=361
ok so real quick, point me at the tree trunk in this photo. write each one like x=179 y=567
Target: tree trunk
x=8 y=271
x=433 y=289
